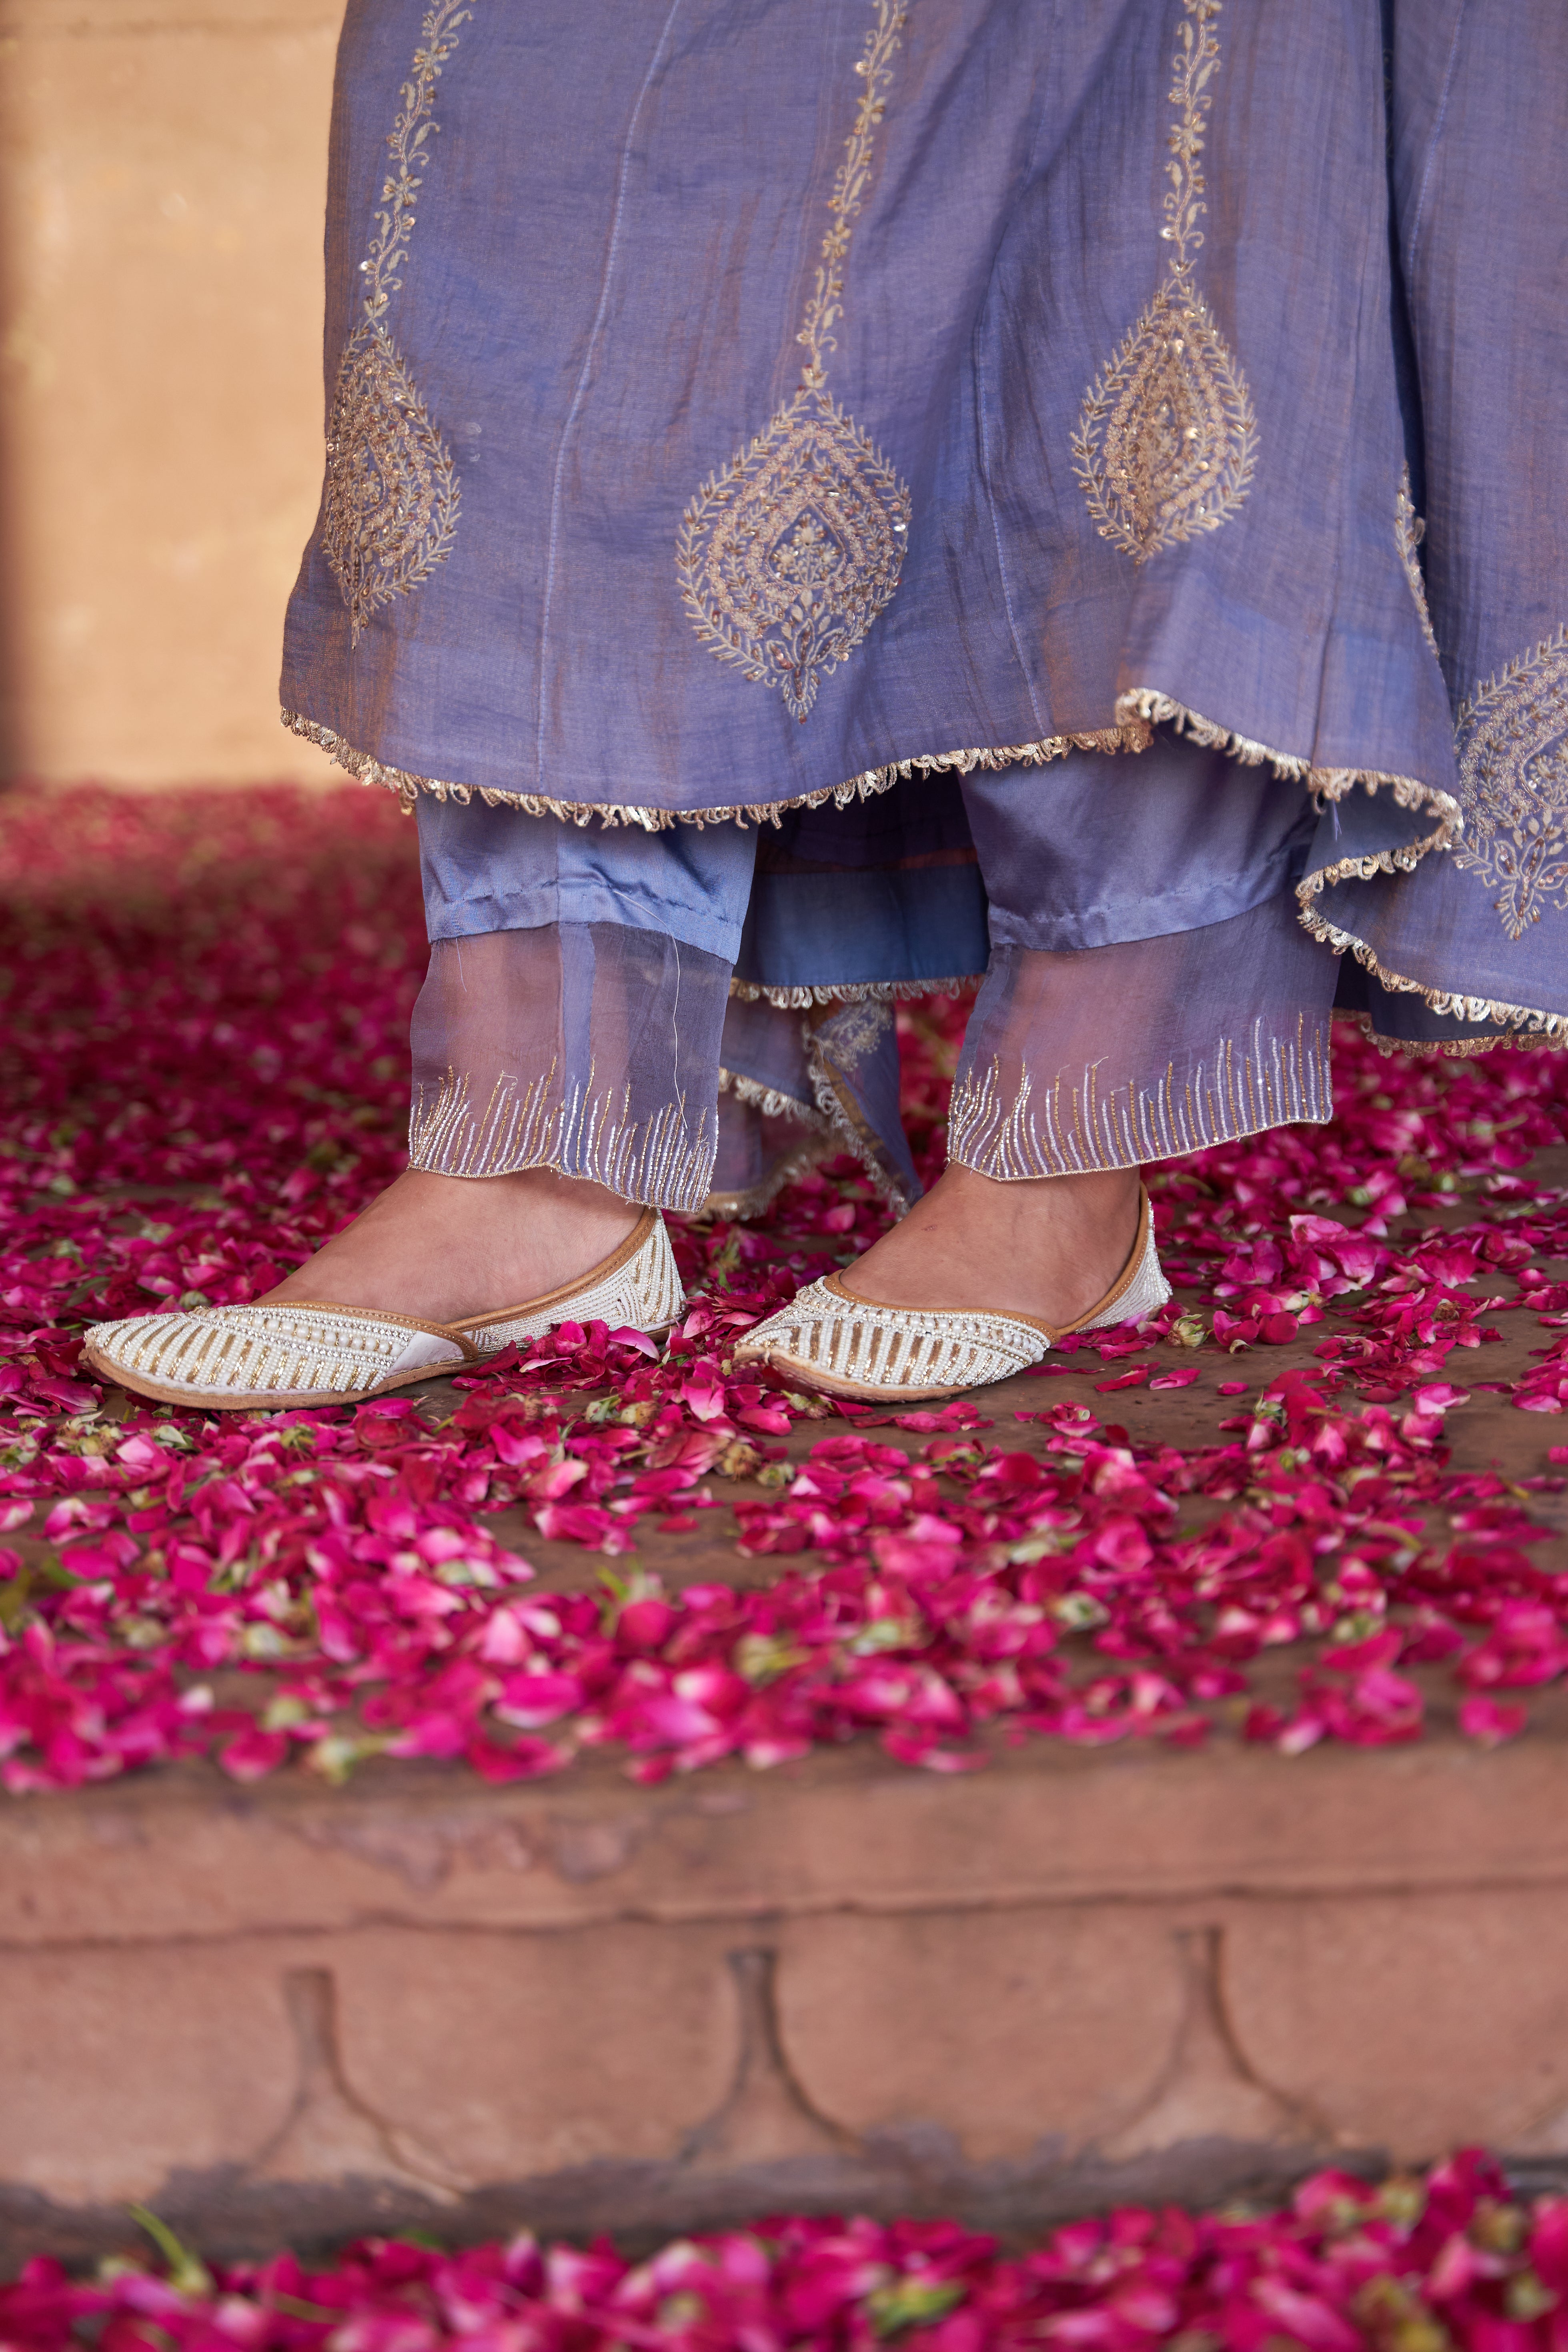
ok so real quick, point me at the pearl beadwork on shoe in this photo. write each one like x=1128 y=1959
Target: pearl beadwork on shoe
x=827 y=1339
x=288 y=1353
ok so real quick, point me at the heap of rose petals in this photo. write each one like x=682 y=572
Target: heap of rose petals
x=1416 y=2264
x=206 y=1000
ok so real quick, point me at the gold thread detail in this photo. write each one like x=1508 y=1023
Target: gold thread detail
x=580 y=1133
x=1476 y=1008
x=1166 y=445
x=838 y=1038
x=1513 y=738
x=390 y=509
x=363 y=765
x=1427 y=1049
x=800 y=998
x=788 y=556
x=769 y=1100
x=1453 y=1049
x=1409 y=530
x=1067 y=1130
x=1138 y=711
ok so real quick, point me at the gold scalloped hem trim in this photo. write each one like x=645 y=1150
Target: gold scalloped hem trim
x=768 y=1100
x=1149 y=705
x=1403 y=860
x=1428 y=1049
x=1540 y=1027
x=853 y=992
x=1137 y=712
x=368 y=770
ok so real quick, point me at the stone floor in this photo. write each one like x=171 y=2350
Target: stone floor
x=295 y=2011
x=1486 y=1431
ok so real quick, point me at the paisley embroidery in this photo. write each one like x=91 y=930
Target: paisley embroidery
x=1409 y=530
x=1167 y=438
x=858 y=1029
x=391 y=505
x=1514 y=784
x=786 y=557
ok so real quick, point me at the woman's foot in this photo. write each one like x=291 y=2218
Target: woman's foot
x=1050 y=1247
x=443 y=1248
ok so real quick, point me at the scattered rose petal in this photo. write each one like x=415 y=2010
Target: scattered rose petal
x=339 y=1566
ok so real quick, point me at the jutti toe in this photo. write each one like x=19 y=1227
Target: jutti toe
x=298 y=1352
x=829 y=1338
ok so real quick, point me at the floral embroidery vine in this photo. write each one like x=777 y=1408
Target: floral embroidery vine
x=206 y=1006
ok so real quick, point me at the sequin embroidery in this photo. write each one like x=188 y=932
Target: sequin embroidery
x=1514 y=784
x=788 y=556
x=1166 y=443
x=390 y=510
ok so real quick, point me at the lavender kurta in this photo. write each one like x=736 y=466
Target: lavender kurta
x=729 y=403
x=598 y=300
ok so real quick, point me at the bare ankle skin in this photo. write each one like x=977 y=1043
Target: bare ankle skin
x=441 y=1247
x=1050 y=1246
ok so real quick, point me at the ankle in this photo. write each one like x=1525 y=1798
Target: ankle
x=442 y=1246
x=1085 y=1209
x=1049 y=1247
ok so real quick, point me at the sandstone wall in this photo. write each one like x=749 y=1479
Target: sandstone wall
x=162 y=166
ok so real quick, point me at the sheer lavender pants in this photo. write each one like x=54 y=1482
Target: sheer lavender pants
x=689 y=1016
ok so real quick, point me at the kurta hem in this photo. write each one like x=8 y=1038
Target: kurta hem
x=1545 y=1027
x=1138 y=711
x=850 y=992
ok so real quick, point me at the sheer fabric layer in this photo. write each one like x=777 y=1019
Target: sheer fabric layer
x=591 y=1048
x=826 y=1070
x=1105 y=1033
x=1114 y=1057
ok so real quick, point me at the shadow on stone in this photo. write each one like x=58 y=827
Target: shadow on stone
x=330 y=2134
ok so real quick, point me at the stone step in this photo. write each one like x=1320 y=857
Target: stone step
x=294 y=2013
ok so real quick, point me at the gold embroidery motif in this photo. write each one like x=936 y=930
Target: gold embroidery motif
x=392 y=497
x=786 y=558
x=1514 y=784
x=1167 y=438
x=1238 y=1089
x=1409 y=530
x=839 y=1038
